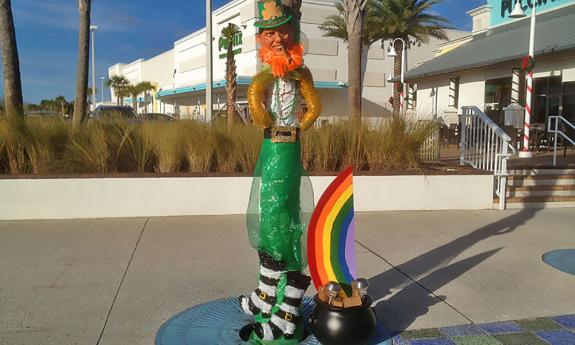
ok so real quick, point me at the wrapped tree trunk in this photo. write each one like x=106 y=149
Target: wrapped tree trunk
x=83 y=61
x=354 y=11
x=13 y=101
x=231 y=80
x=294 y=7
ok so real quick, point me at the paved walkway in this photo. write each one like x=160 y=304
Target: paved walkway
x=116 y=281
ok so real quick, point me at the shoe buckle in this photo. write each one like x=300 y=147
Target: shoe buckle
x=263 y=296
x=288 y=317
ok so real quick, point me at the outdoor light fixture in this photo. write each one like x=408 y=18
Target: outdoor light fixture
x=102 y=82
x=391 y=52
x=209 y=61
x=517 y=11
x=93 y=29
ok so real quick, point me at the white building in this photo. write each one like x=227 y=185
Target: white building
x=180 y=73
x=483 y=69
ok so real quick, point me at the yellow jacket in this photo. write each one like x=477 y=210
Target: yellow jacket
x=264 y=80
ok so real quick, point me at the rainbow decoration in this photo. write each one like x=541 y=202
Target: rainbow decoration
x=331 y=234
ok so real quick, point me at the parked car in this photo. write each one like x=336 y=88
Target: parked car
x=155 y=117
x=114 y=110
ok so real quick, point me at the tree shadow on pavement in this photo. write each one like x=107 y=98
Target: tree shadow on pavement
x=420 y=277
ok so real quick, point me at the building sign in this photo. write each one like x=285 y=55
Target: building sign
x=236 y=44
x=502 y=8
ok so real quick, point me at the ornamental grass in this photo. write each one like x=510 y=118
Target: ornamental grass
x=47 y=146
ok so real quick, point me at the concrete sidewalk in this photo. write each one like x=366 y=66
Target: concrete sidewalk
x=116 y=281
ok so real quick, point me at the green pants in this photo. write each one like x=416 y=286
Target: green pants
x=280 y=229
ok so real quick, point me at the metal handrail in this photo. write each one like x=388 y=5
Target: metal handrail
x=485 y=146
x=557 y=132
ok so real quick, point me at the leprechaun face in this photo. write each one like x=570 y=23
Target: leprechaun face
x=278 y=40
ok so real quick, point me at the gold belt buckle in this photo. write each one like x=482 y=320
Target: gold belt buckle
x=284 y=134
x=263 y=296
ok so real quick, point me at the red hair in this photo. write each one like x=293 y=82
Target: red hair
x=281 y=64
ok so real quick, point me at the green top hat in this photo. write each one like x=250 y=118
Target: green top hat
x=271 y=14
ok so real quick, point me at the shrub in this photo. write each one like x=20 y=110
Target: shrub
x=166 y=141
x=47 y=140
x=199 y=146
x=109 y=145
x=13 y=144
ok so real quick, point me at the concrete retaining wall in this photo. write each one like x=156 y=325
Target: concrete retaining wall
x=134 y=197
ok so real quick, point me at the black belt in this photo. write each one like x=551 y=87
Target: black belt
x=282 y=134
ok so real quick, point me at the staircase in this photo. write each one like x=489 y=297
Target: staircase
x=485 y=146
x=540 y=188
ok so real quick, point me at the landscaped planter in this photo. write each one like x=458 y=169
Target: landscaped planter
x=65 y=198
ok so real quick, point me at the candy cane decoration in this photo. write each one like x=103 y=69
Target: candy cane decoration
x=527 y=124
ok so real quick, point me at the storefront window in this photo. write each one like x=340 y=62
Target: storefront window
x=497 y=97
x=546 y=98
x=569 y=101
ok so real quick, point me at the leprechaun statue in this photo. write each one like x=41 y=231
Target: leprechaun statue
x=274 y=98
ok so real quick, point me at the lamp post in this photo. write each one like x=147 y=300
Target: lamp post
x=102 y=86
x=93 y=29
x=518 y=13
x=209 y=61
x=391 y=53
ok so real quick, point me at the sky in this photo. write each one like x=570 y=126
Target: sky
x=47 y=36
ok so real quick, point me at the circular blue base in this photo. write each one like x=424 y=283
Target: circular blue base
x=219 y=323
x=562 y=259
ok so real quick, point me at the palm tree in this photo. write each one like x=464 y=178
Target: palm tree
x=84 y=7
x=134 y=91
x=414 y=22
x=13 y=102
x=60 y=101
x=120 y=86
x=352 y=13
x=228 y=34
x=144 y=87
x=335 y=26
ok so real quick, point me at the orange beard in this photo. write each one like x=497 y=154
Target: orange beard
x=280 y=63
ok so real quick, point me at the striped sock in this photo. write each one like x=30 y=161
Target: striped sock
x=285 y=320
x=264 y=297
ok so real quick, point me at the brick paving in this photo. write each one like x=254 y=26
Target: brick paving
x=559 y=330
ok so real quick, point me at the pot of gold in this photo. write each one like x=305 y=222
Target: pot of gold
x=341 y=320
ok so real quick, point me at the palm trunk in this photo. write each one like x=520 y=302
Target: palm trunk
x=231 y=83
x=83 y=61
x=354 y=22
x=135 y=103
x=397 y=85
x=13 y=101
x=294 y=7
x=354 y=77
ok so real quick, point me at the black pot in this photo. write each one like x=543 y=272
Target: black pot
x=336 y=326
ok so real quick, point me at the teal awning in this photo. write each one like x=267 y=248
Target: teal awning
x=242 y=80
